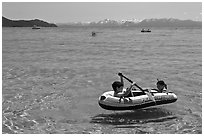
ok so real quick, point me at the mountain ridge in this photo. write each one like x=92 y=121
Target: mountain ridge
x=25 y=23
x=153 y=22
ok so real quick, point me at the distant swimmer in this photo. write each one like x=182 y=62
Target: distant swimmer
x=93 y=33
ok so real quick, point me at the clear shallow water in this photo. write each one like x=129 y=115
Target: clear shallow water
x=52 y=78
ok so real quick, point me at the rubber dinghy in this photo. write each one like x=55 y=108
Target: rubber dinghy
x=140 y=100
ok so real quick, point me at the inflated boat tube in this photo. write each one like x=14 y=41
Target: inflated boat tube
x=140 y=100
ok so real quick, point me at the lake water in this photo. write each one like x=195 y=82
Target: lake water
x=52 y=78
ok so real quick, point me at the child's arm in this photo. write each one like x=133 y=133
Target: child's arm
x=129 y=89
x=121 y=78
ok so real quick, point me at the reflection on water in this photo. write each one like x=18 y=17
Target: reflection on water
x=134 y=117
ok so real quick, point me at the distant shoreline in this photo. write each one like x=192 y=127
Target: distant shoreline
x=164 y=22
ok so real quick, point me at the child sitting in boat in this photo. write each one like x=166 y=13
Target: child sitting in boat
x=161 y=86
x=119 y=90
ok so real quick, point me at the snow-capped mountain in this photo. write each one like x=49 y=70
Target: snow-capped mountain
x=163 y=22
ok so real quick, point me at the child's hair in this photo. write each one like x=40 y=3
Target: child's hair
x=161 y=82
x=116 y=84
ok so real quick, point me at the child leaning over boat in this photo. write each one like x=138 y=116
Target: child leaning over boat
x=161 y=86
x=119 y=90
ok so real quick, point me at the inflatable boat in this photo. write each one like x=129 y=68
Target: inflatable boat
x=139 y=100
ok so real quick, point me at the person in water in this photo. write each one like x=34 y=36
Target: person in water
x=93 y=33
x=119 y=90
x=161 y=86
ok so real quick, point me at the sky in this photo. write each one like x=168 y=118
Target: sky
x=64 y=12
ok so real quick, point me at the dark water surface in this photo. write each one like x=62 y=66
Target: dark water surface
x=52 y=78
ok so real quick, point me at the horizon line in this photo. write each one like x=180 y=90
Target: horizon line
x=120 y=20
